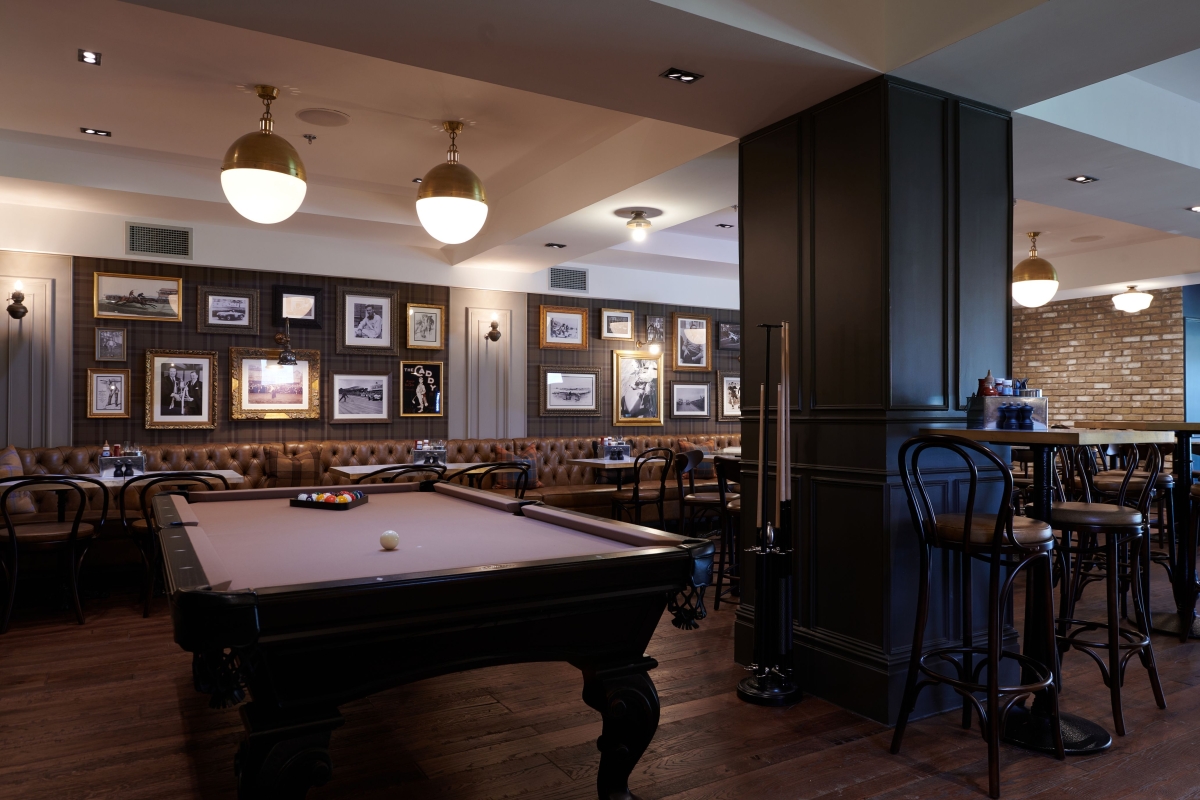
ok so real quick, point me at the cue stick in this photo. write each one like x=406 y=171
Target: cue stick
x=762 y=453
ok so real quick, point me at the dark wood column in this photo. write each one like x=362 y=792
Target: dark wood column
x=879 y=224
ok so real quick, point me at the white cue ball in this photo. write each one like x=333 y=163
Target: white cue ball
x=389 y=540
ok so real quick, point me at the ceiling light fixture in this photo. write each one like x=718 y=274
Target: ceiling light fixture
x=89 y=57
x=262 y=176
x=1132 y=301
x=555 y=245
x=1082 y=179
x=451 y=202
x=724 y=225
x=681 y=75
x=638 y=226
x=1195 y=208
x=95 y=132
x=416 y=180
x=1034 y=280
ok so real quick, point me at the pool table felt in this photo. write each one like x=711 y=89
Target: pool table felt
x=264 y=543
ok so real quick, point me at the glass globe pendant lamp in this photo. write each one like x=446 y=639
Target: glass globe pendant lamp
x=451 y=201
x=1132 y=301
x=262 y=175
x=1034 y=280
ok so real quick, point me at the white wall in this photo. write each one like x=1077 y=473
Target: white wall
x=464 y=364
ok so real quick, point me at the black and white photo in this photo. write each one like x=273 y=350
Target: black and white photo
x=637 y=388
x=563 y=328
x=262 y=388
x=690 y=399
x=421 y=389
x=222 y=309
x=729 y=404
x=180 y=389
x=426 y=327
x=110 y=344
x=301 y=306
x=616 y=323
x=729 y=336
x=108 y=393
x=570 y=392
x=117 y=296
x=366 y=322
x=693 y=342
x=360 y=397
x=656 y=330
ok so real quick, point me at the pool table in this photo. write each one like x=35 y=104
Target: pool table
x=302 y=610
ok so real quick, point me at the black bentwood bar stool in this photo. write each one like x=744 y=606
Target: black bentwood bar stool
x=729 y=474
x=1007 y=544
x=645 y=493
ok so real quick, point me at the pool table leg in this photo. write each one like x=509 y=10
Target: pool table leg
x=627 y=700
x=283 y=756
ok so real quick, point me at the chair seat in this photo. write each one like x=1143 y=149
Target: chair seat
x=1110 y=482
x=735 y=504
x=645 y=495
x=703 y=498
x=48 y=532
x=1026 y=530
x=139 y=525
x=1068 y=514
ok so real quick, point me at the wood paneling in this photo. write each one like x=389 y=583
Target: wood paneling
x=848 y=569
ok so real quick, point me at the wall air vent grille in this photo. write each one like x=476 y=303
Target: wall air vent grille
x=564 y=279
x=157 y=240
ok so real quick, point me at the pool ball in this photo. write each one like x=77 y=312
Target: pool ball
x=389 y=540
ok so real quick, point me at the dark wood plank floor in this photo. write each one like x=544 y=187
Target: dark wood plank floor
x=107 y=711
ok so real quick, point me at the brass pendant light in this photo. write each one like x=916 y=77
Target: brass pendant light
x=451 y=201
x=1034 y=280
x=262 y=175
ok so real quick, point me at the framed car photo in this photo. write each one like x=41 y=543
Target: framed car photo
x=181 y=389
x=110 y=344
x=360 y=397
x=117 y=296
x=690 y=400
x=299 y=305
x=421 y=389
x=693 y=342
x=108 y=393
x=426 y=326
x=569 y=392
x=562 y=328
x=616 y=324
x=366 y=322
x=225 y=310
x=262 y=388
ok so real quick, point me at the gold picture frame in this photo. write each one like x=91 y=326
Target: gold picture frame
x=415 y=337
x=567 y=323
x=95 y=393
x=129 y=297
x=242 y=363
x=685 y=349
x=181 y=389
x=631 y=381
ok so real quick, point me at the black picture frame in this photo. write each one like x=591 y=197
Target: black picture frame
x=389 y=346
x=729 y=336
x=546 y=401
x=279 y=291
x=203 y=321
x=433 y=376
x=708 y=393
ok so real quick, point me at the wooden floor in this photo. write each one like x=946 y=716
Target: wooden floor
x=107 y=711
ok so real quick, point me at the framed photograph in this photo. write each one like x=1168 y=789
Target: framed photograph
x=117 y=296
x=110 y=344
x=637 y=388
x=729 y=405
x=570 y=392
x=366 y=322
x=299 y=304
x=360 y=397
x=693 y=342
x=181 y=389
x=656 y=330
x=260 y=388
x=616 y=324
x=224 y=310
x=108 y=393
x=563 y=328
x=421 y=389
x=729 y=336
x=690 y=399
x=426 y=327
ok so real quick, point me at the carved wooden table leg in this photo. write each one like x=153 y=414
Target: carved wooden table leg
x=283 y=757
x=626 y=698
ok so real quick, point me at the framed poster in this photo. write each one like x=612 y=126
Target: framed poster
x=260 y=388
x=421 y=389
x=360 y=397
x=562 y=328
x=181 y=389
x=656 y=330
x=117 y=296
x=570 y=392
x=108 y=393
x=110 y=344
x=224 y=310
x=426 y=327
x=616 y=324
x=637 y=388
x=693 y=342
x=690 y=399
x=729 y=336
x=729 y=405
x=300 y=305
x=366 y=322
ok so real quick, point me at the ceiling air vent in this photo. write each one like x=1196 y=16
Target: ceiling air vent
x=156 y=240
x=564 y=279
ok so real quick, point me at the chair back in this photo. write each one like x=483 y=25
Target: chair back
x=144 y=484
x=923 y=516
x=1151 y=465
x=729 y=470
x=647 y=459
x=684 y=464
x=390 y=473
x=478 y=474
x=56 y=483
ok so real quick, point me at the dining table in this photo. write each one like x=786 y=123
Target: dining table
x=115 y=483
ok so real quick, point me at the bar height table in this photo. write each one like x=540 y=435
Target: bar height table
x=1030 y=727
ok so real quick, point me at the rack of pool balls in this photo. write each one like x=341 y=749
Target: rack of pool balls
x=332 y=501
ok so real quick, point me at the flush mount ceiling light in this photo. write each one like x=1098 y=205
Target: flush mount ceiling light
x=1082 y=179
x=724 y=225
x=323 y=117
x=555 y=245
x=1132 y=301
x=1034 y=280
x=681 y=75
x=639 y=220
x=451 y=202
x=1195 y=208
x=89 y=57
x=262 y=175
x=95 y=132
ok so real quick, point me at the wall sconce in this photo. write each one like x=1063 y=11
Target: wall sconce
x=288 y=357
x=494 y=334
x=655 y=348
x=16 y=308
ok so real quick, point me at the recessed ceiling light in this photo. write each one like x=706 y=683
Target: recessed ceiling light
x=323 y=117
x=95 y=132
x=681 y=75
x=89 y=57
x=416 y=180
x=555 y=245
x=1195 y=208
x=1082 y=179
x=724 y=225
x=1085 y=239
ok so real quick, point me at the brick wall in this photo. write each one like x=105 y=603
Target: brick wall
x=1095 y=362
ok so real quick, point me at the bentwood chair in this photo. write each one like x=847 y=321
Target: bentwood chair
x=509 y=475
x=391 y=472
x=693 y=506
x=729 y=474
x=1007 y=544
x=69 y=537
x=648 y=491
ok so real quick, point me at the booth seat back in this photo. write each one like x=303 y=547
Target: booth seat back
x=343 y=453
x=552 y=456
